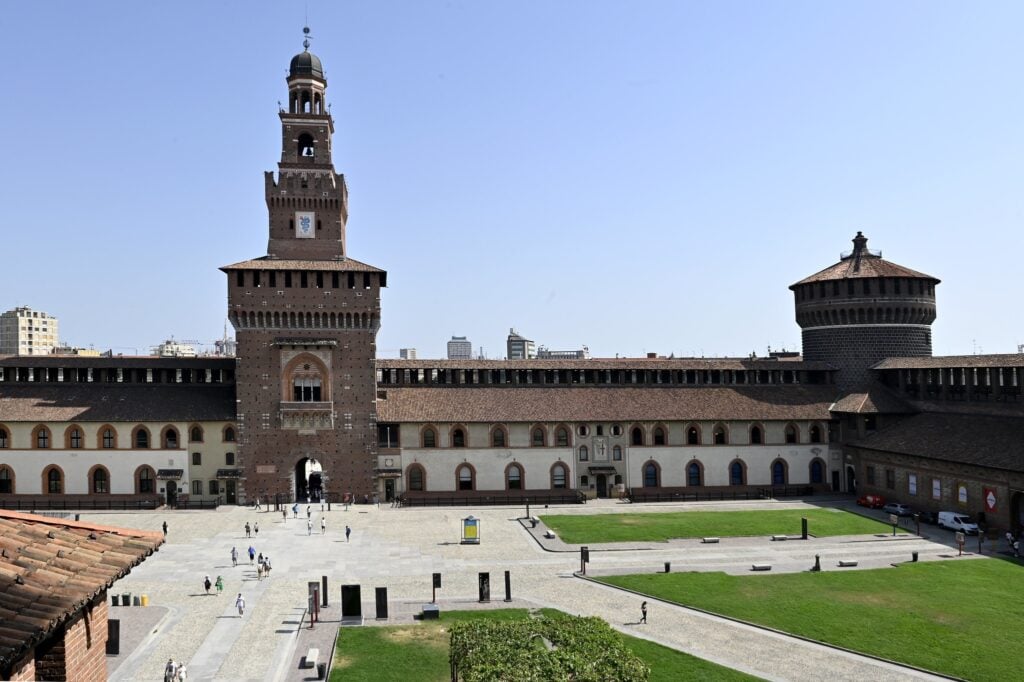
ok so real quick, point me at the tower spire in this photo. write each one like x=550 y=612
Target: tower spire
x=305 y=40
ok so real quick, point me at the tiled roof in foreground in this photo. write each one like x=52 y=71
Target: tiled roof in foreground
x=49 y=568
x=979 y=440
x=577 y=404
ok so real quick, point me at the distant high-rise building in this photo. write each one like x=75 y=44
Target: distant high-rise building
x=520 y=347
x=459 y=348
x=175 y=349
x=407 y=353
x=24 y=331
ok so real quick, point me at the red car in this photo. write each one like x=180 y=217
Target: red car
x=872 y=501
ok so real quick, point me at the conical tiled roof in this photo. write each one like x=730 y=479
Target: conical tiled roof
x=861 y=263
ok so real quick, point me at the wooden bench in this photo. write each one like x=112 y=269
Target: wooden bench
x=780 y=537
x=761 y=567
x=312 y=654
x=847 y=564
x=709 y=541
x=550 y=535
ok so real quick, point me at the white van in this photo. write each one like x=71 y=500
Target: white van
x=958 y=521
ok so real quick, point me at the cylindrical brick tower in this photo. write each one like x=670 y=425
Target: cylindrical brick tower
x=864 y=309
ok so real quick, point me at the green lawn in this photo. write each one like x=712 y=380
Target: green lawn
x=420 y=652
x=961 y=618
x=658 y=527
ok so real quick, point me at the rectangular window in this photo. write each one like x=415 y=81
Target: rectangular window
x=870 y=472
x=240 y=278
x=319 y=280
x=288 y=279
x=600 y=429
x=214 y=487
x=197 y=487
x=197 y=458
x=912 y=484
x=256 y=278
x=334 y=280
x=273 y=279
x=229 y=459
x=936 y=489
x=890 y=479
x=351 y=280
x=303 y=280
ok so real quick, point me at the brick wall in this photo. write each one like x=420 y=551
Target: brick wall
x=77 y=651
x=25 y=669
x=854 y=349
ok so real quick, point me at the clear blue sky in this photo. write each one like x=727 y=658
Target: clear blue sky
x=636 y=177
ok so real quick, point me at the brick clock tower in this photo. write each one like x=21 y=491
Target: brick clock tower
x=306 y=318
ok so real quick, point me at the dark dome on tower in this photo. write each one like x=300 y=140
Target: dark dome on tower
x=306 y=63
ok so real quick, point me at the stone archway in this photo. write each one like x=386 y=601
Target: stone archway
x=308 y=480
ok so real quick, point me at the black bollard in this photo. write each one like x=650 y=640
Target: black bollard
x=508 y=585
x=913 y=556
x=817 y=563
x=437 y=584
x=803 y=528
x=113 y=637
x=668 y=566
x=323 y=590
x=382 y=603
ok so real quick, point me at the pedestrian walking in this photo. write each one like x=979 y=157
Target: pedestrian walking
x=266 y=566
x=1009 y=541
x=257 y=504
x=256 y=528
x=309 y=527
x=182 y=672
x=219 y=584
x=323 y=526
x=234 y=556
x=252 y=554
x=295 y=510
x=259 y=559
x=348 y=531
x=165 y=529
x=248 y=530
x=309 y=512
x=207 y=584
x=240 y=605
x=170 y=670
x=643 y=613
x=284 y=513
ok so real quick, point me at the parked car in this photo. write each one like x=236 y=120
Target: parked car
x=957 y=521
x=872 y=501
x=897 y=509
x=929 y=517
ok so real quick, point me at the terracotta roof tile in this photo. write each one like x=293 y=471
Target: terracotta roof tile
x=954 y=361
x=982 y=440
x=865 y=266
x=58 y=574
x=96 y=402
x=265 y=263
x=875 y=399
x=553 y=404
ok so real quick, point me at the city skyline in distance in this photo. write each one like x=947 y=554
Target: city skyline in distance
x=631 y=181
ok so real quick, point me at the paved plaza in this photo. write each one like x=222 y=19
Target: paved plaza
x=401 y=548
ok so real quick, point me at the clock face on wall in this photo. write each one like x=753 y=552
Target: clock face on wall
x=305 y=224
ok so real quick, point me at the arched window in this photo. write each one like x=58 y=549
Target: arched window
x=4 y=438
x=537 y=437
x=229 y=434
x=817 y=471
x=6 y=481
x=721 y=436
x=141 y=438
x=558 y=475
x=659 y=435
x=636 y=436
x=107 y=439
x=429 y=438
x=458 y=438
x=465 y=477
x=583 y=430
x=42 y=437
x=100 y=483
x=617 y=454
x=792 y=435
x=514 y=477
x=693 y=436
x=54 y=481
x=694 y=474
x=562 y=437
x=195 y=434
x=778 y=472
x=498 y=438
x=815 y=433
x=75 y=438
x=737 y=473
x=756 y=436
x=170 y=438
x=146 y=479
x=417 y=478
x=584 y=453
x=650 y=475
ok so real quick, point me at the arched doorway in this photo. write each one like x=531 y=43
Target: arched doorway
x=851 y=480
x=309 y=480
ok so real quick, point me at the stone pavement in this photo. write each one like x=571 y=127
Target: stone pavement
x=401 y=548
